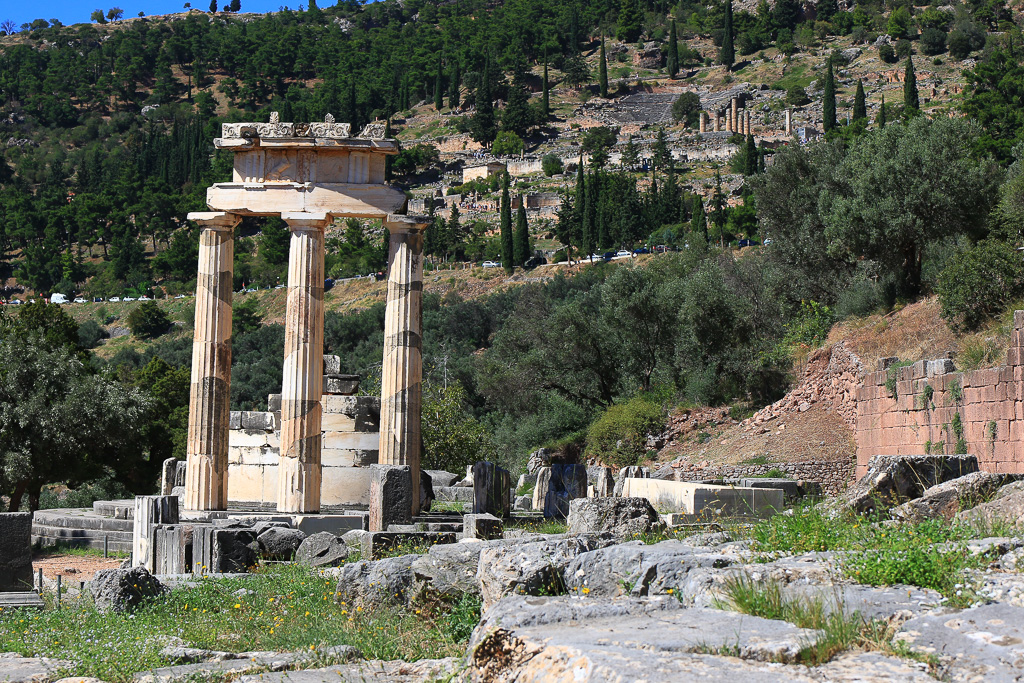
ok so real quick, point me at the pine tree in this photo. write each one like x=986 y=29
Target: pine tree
x=453 y=86
x=827 y=9
x=661 y=155
x=438 y=80
x=910 y=99
x=718 y=209
x=590 y=215
x=750 y=157
x=880 y=119
x=507 y=248
x=727 y=55
x=699 y=222
x=829 y=100
x=672 y=62
x=602 y=78
x=482 y=126
x=860 y=107
x=629 y=21
x=453 y=231
x=522 y=236
x=545 y=102
x=630 y=154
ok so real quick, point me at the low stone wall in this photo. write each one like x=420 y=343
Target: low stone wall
x=929 y=407
x=835 y=476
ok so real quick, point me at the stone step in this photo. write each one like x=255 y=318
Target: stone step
x=117 y=541
x=20 y=600
x=79 y=519
x=119 y=509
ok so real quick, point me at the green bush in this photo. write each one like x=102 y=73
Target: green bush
x=147 y=321
x=886 y=53
x=933 y=41
x=797 y=96
x=90 y=334
x=551 y=165
x=619 y=436
x=687 y=108
x=979 y=283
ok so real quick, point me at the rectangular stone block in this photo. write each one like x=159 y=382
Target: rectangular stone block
x=216 y=549
x=235 y=419
x=491 y=489
x=332 y=365
x=252 y=419
x=338 y=422
x=390 y=496
x=247 y=438
x=15 y=551
x=485 y=527
x=346 y=385
x=346 y=486
x=172 y=548
x=362 y=441
x=149 y=512
x=274 y=403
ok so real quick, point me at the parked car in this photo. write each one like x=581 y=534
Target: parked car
x=748 y=243
x=180 y=296
x=622 y=253
x=492 y=264
x=328 y=284
x=97 y=299
x=58 y=298
x=641 y=250
x=128 y=298
x=608 y=256
x=144 y=298
x=660 y=249
x=16 y=302
x=80 y=300
x=115 y=299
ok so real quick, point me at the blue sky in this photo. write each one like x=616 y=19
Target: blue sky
x=78 y=11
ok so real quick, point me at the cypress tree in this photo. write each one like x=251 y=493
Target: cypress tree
x=602 y=78
x=760 y=158
x=630 y=21
x=727 y=55
x=699 y=222
x=910 y=101
x=507 y=248
x=860 y=107
x=880 y=119
x=482 y=125
x=453 y=86
x=829 y=103
x=522 y=236
x=438 y=79
x=545 y=103
x=673 y=50
x=750 y=157
x=589 y=214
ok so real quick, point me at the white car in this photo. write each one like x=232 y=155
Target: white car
x=180 y=296
x=623 y=252
x=115 y=299
x=144 y=298
x=128 y=298
x=79 y=300
x=492 y=264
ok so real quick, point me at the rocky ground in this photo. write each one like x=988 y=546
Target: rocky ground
x=919 y=590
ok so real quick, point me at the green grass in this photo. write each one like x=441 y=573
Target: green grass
x=279 y=608
x=841 y=631
x=64 y=548
x=930 y=554
x=540 y=526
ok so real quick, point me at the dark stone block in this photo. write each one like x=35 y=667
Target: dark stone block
x=15 y=551
x=484 y=527
x=217 y=549
x=376 y=544
x=426 y=491
x=278 y=543
x=390 y=496
x=568 y=482
x=322 y=549
x=122 y=590
x=491 y=490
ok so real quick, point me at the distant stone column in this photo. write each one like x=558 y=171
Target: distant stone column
x=209 y=405
x=298 y=471
x=703 y=122
x=728 y=120
x=789 y=122
x=402 y=370
x=735 y=111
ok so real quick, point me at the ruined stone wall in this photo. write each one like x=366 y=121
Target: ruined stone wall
x=929 y=407
x=833 y=475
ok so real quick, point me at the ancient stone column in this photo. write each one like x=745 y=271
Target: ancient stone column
x=703 y=122
x=716 y=122
x=789 y=122
x=298 y=487
x=728 y=120
x=402 y=370
x=206 y=479
x=735 y=111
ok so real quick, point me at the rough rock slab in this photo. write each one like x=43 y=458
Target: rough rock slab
x=17 y=669
x=27 y=599
x=945 y=500
x=323 y=549
x=122 y=590
x=894 y=479
x=871 y=667
x=639 y=633
x=669 y=567
x=872 y=602
x=15 y=551
x=624 y=518
x=183 y=672
x=1007 y=506
x=528 y=568
x=982 y=643
x=368 y=584
x=449 y=570
x=280 y=543
x=369 y=672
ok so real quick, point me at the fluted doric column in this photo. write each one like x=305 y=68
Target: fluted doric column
x=298 y=469
x=206 y=479
x=402 y=371
x=735 y=113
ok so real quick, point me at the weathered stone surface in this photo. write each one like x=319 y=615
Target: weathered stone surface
x=426 y=491
x=450 y=570
x=624 y=518
x=871 y=667
x=944 y=500
x=491 y=486
x=631 y=472
x=669 y=567
x=894 y=479
x=390 y=496
x=376 y=671
x=567 y=483
x=528 y=568
x=280 y=543
x=539 y=458
x=485 y=527
x=15 y=551
x=225 y=547
x=541 y=488
x=368 y=584
x=17 y=669
x=440 y=478
x=122 y=590
x=627 y=639
x=979 y=644
x=881 y=602
x=523 y=503
x=322 y=550
x=604 y=482
x=376 y=543
x=1006 y=506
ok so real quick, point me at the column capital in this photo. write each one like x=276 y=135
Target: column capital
x=215 y=220
x=398 y=223
x=303 y=220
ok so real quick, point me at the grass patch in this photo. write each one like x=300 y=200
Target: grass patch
x=279 y=608
x=447 y=506
x=540 y=526
x=841 y=631
x=65 y=548
x=929 y=554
